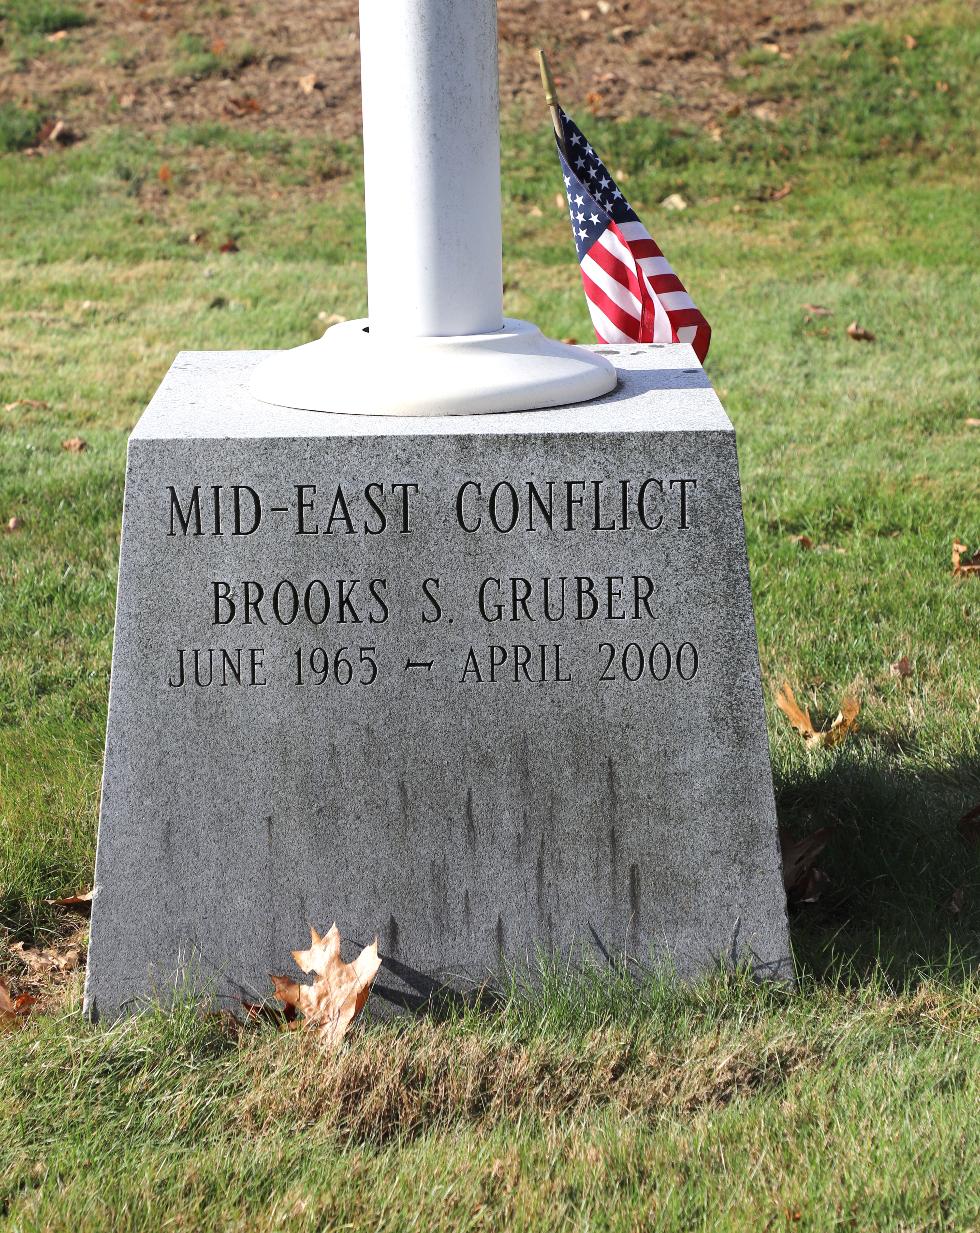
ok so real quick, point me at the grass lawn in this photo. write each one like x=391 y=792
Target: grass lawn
x=848 y=1103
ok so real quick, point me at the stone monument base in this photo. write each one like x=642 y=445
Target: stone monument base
x=486 y=687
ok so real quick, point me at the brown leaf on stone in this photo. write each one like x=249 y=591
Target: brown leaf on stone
x=74 y=445
x=969 y=826
x=339 y=990
x=13 y=524
x=803 y=882
x=859 y=333
x=901 y=667
x=963 y=562
x=813 y=737
x=82 y=902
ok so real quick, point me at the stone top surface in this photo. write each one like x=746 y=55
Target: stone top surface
x=662 y=388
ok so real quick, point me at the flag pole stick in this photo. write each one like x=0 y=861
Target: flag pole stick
x=551 y=98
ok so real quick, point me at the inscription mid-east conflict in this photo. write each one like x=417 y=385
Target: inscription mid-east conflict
x=523 y=614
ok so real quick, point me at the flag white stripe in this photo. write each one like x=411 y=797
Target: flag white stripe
x=619 y=294
x=663 y=331
x=687 y=333
x=634 y=231
x=654 y=265
x=604 y=327
x=613 y=244
x=673 y=300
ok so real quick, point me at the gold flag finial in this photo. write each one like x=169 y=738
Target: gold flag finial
x=551 y=98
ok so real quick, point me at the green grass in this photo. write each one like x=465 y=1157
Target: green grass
x=19 y=127
x=42 y=16
x=594 y=1105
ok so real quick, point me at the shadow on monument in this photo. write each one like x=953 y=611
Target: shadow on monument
x=902 y=897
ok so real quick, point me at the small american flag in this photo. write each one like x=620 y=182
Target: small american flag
x=632 y=292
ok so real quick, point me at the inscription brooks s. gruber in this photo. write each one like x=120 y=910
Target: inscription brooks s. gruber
x=523 y=613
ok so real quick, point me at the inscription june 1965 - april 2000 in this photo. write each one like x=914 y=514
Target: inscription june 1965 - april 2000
x=601 y=507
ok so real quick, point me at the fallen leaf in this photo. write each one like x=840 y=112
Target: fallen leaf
x=309 y=82
x=859 y=333
x=942 y=87
x=165 y=175
x=74 y=445
x=802 y=881
x=329 y=319
x=593 y=100
x=241 y=106
x=48 y=959
x=813 y=737
x=229 y=246
x=800 y=719
x=561 y=201
x=13 y=524
x=674 y=202
x=843 y=725
x=969 y=826
x=218 y=47
x=82 y=902
x=818 y=310
x=7 y=1009
x=197 y=237
x=972 y=422
x=127 y=100
x=963 y=563
x=339 y=990
x=536 y=212
x=571 y=342
x=901 y=667
x=604 y=7
x=58 y=36
x=911 y=42
x=804 y=541
x=772 y=48
x=34 y=404
x=779 y=193
x=56 y=131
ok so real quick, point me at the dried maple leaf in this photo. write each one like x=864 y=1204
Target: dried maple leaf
x=962 y=563
x=74 y=445
x=48 y=960
x=859 y=333
x=339 y=990
x=802 y=880
x=843 y=724
x=800 y=719
x=813 y=737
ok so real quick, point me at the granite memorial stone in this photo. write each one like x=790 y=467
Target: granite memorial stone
x=484 y=686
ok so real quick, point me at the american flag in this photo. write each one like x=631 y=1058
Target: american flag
x=632 y=292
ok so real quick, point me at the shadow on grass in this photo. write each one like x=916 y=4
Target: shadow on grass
x=903 y=896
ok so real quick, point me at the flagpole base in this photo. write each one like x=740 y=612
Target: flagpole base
x=515 y=368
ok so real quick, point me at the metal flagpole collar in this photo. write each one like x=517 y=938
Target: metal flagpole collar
x=515 y=368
